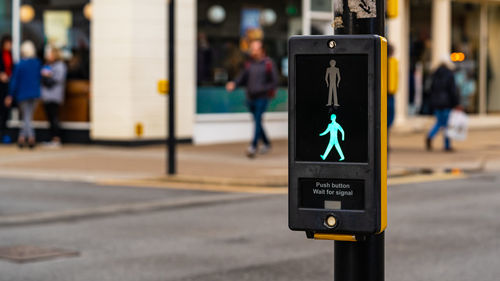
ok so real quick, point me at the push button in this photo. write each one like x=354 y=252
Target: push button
x=330 y=221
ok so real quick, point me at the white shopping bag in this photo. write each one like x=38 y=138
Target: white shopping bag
x=457 y=125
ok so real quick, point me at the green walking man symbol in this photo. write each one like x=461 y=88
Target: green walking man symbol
x=333 y=129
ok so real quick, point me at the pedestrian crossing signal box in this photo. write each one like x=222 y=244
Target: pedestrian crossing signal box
x=337 y=135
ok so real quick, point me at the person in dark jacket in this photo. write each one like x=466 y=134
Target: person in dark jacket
x=25 y=89
x=6 y=68
x=443 y=98
x=260 y=77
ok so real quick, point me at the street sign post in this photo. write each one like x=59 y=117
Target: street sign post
x=171 y=141
x=341 y=194
x=338 y=134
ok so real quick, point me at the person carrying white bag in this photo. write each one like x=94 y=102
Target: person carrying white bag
x=443 y=98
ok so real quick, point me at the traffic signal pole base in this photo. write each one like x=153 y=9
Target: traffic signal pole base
x=360 y=261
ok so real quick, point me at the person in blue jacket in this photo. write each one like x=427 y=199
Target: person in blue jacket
x=24 y=87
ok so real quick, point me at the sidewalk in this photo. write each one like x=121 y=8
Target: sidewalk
x=226 y=163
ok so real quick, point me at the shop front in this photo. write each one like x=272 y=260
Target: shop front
x=127 y=56
x=65 y=25
x=466 y=31
x=224 y=30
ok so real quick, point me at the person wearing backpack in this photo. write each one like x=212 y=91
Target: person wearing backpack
x=260 y=77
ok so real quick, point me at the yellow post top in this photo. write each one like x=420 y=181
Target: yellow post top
x=392 y=8
x=335 y=237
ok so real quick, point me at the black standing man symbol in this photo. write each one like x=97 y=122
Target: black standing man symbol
x=332 y=78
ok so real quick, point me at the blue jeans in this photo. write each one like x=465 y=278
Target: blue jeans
x=441 y=123
x=257 y=107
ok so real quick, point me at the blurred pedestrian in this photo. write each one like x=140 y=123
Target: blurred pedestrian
x=392 y=88
x=25 y=89
x=6 y=68
x=443 y=98
x=53 y=89
x=260 y=77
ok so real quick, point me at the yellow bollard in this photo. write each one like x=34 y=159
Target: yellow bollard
x=139 y=129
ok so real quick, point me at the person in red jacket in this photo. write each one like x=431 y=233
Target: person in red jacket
x=6 y=68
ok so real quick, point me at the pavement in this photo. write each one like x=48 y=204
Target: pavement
x=226 y=164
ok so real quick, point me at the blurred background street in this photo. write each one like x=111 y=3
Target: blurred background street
x=86 y=111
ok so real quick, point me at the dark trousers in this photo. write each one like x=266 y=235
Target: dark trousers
x=257 y=107
x=4 y=111
x=52 y=112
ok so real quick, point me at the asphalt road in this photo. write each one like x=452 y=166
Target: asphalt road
x=447 y=230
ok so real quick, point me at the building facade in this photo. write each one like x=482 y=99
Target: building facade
x=466 y=31
x=116 y=51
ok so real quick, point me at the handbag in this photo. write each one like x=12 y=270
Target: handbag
x=48 y=82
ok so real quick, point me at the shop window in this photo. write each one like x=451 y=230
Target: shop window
x=420 y=71
x=321 y=5
x=493 y=59
x=224 y=30
x=465 y=53
x=63 y=24
x=5 y=17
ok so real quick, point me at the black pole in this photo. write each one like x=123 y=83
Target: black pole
x=352 y=23
x=363 y=260
x=360 y=261
x=171 y=92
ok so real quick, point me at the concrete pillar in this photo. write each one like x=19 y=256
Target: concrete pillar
x=128 y=57
x=111 y=70
x=440 y=30
x=306 y=17
x=186 y=50
x=16 y=30
x=399 y=36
